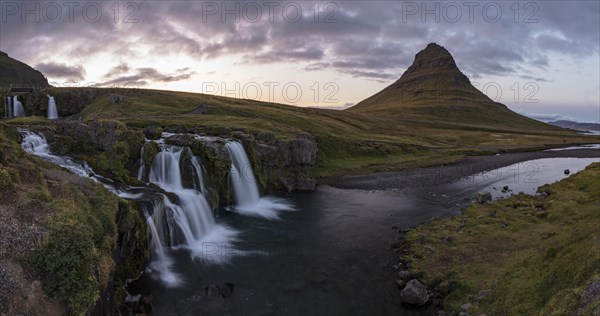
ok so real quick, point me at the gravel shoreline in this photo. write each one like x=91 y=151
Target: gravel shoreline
x=437 y=175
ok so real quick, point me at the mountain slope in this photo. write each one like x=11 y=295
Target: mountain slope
x=434 y=89
x=19 y=74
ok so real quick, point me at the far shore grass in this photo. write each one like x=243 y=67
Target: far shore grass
x=530 y=255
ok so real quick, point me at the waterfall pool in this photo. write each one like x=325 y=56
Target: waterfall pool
x=332 y=256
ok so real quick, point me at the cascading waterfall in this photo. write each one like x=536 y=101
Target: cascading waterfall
x=245 y=188
x=37 y=145
x=52 y=112
x=180 y=218
x=186 y=219
x=17 y=107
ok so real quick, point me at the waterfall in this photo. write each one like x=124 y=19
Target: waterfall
x=142 y=169
x=52 y=111
x=161 y=263
x=37 y=145
x=242 y=176
x=186 y=215
x=198 y=175
x=17 y=107
x=245 y=188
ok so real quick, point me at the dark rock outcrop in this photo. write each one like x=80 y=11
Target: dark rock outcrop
x=414 y=293
x=286 y=164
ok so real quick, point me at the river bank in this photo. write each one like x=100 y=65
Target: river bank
x=437 y=175
x=521 y=255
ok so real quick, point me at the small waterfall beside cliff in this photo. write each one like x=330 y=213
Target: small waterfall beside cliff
x=245 y=187
x=17 y=107
x=242 y=176
x=52 y=112
x=142 y=169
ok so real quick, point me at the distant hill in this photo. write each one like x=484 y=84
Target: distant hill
x=19 y=74
x=576 y=125
x=434 y=89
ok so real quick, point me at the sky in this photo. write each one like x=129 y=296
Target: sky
x=541 y=59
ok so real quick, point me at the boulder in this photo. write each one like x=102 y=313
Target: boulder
x=567 y=171
x=414 y=293
x=484 y=197
x=404 y=275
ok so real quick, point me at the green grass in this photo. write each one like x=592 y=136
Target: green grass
x=537 y=265
x=29 y=120
x=74 y=261
x=349 y=141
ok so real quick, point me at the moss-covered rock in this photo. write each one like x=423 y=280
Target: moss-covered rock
x=153 y=132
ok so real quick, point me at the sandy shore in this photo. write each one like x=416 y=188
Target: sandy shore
x=437 y=175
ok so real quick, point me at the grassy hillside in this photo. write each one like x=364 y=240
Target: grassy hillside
x=60 y=229
x=524 y=255
x=19 y=74
x=349 y=142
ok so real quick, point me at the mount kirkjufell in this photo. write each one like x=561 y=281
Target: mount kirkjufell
x=433 y=88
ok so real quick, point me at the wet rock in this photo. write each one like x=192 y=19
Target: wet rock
x=567 y=171
x=227 y=289
x=414 y=293
x=212 y=290
x=404 y=275
x=484 y=197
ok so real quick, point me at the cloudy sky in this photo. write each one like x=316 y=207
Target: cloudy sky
x=539 y=58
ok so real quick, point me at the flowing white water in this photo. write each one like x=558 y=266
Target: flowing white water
x=189 y=220
x=52 y=112
x=142 y=169
x=17 y=107
x=245 y=188
x=198 y=174
x=36 y=144
x=162 y=264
